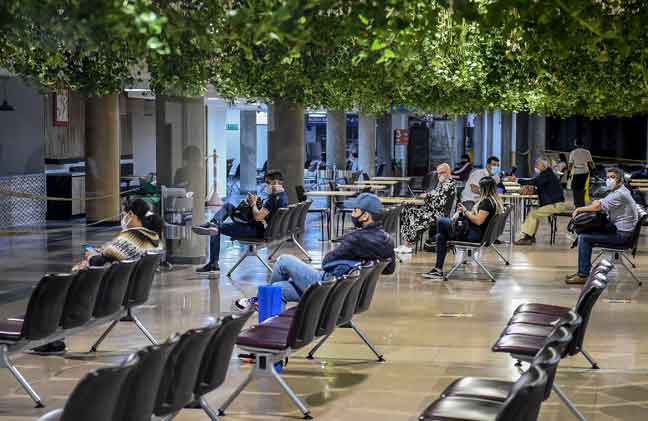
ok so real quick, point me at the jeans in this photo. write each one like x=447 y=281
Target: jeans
x=294 y=277
x=586 y=243
x=443 y=236
x=231 y=229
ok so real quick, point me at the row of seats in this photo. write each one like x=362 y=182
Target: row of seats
x=539 y=334
x=158 y=380
x=286 y=226
x=64 y=304
x=323 y=307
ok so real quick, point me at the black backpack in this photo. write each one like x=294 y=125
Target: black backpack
x=589 y=222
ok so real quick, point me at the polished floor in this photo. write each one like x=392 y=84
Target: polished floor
x=429 y=332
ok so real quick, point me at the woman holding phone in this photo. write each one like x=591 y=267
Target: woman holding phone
x=488 y=205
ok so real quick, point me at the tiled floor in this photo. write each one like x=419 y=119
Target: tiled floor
x=415 y=324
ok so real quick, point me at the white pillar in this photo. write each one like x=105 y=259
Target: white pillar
x=216 y=120
x=367 y=144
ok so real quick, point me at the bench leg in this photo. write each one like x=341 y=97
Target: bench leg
x=371 y=346
x=103 y=336
x=276 y=250
x=264 y=263
x=568 y=403
x=239 y=389
x=312 y=352
x=598 y=256
x=291 y=393
x=589 y=358
x=630 y=271
x=301 y=248
x=142 y=328
x=499 y=253
x=492 y=278
x=249 y=252
x=627 y=259
x=458 y=263
x=19 y=377
x=213 y=415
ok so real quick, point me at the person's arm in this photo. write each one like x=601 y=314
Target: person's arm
x=527 y=181
x=595 y=206
x=259 y=214
x=477 y=218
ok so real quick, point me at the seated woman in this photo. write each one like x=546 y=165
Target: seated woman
x=488 y=205
x=417 y=218
x=141 y=231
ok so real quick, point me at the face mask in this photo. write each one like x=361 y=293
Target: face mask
x=537 y=170
x=356 y=220
x=443 y=178
x=268 y=189
x=126 y=219
x=610 y=183
x=495 y=170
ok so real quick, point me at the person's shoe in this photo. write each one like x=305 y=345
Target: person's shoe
x=403 y=249
x=499 y=242
x=576 y=279
x=434 y=274
x=52 y=348
x=244 y=304
x=208 y=228
x=208 y=268
x=526 y=240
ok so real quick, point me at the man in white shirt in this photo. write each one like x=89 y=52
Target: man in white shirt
x=580 y=164
x=470 y=193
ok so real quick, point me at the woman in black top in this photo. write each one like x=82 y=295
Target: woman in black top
x=485 y=209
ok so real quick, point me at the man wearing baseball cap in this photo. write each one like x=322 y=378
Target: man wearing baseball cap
x=368 y=242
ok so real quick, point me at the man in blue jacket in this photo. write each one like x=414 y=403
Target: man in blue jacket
x=368 y=242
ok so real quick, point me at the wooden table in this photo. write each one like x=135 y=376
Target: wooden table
x=390 y=183
x=331 y=196
x=400 y=179
x=362 y=186
x=402 y=201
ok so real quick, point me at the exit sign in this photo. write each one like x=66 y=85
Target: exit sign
x=231 y=126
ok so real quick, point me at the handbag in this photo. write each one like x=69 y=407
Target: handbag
x=589 y=222
x=243 y=213
x=459 y=228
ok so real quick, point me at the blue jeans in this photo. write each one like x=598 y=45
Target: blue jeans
x=443 y=236
x=586 y=243
x=294 y=277
x=231 y=229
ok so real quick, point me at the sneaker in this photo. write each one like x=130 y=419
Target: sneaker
x=576 y=280
x=208 y=228
x=403 y=249
x=52 y=348
x=208 y=268
x=244 y=304
x=434 y=274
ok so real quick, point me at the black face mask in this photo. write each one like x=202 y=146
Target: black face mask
x=356 y=220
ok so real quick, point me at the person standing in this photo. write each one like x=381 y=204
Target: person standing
x=580 y=165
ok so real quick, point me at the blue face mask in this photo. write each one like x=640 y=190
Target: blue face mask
x=495 y=170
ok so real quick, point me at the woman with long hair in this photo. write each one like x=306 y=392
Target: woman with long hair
x=488 y=205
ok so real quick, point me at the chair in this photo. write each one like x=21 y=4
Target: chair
x=137 y=293
x=273 y=234
x=216 y=359
x=81 y=297
x=96 y=397
x=365 y=297
x=112 y=290
x=490 y=235
x=181 y=371
x=137 y=401
x=271 y=342
x=292 y=226
x=323 y=212
x=522 y=403
x=619 y=254
x=41 y=320
x=553 y=224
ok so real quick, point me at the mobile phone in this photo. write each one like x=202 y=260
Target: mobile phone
x=89 y=249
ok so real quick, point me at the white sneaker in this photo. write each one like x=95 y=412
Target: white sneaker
x=403 y=249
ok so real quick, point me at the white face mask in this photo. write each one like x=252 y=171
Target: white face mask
x=443 y=178
x=537 y=170
x=268 y=189
x=125 y=221
x=610 y=183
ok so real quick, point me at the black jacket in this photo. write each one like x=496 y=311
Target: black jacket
x=548 y=185
x=367 y=243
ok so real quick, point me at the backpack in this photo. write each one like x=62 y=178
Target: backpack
x=589 y=222
x=243 y=212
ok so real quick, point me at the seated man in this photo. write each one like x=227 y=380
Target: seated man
x=471 y=191
x=368 y=242
x=255 y=228
x=621 y=210
x=550 y=198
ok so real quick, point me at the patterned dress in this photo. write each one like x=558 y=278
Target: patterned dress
x=415 y=219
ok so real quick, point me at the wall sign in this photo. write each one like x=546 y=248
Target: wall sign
x=401 y=136
x=61 y=109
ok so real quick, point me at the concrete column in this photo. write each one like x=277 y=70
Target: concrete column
x=506 y=136
x=384 y=143
x=102 y=158
x=367 y=144
x=286 y=148
x=537 y=138
x=181 y=161
x=248 y=150
x=478 y=141
x=522 y=143
x=336 y=139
